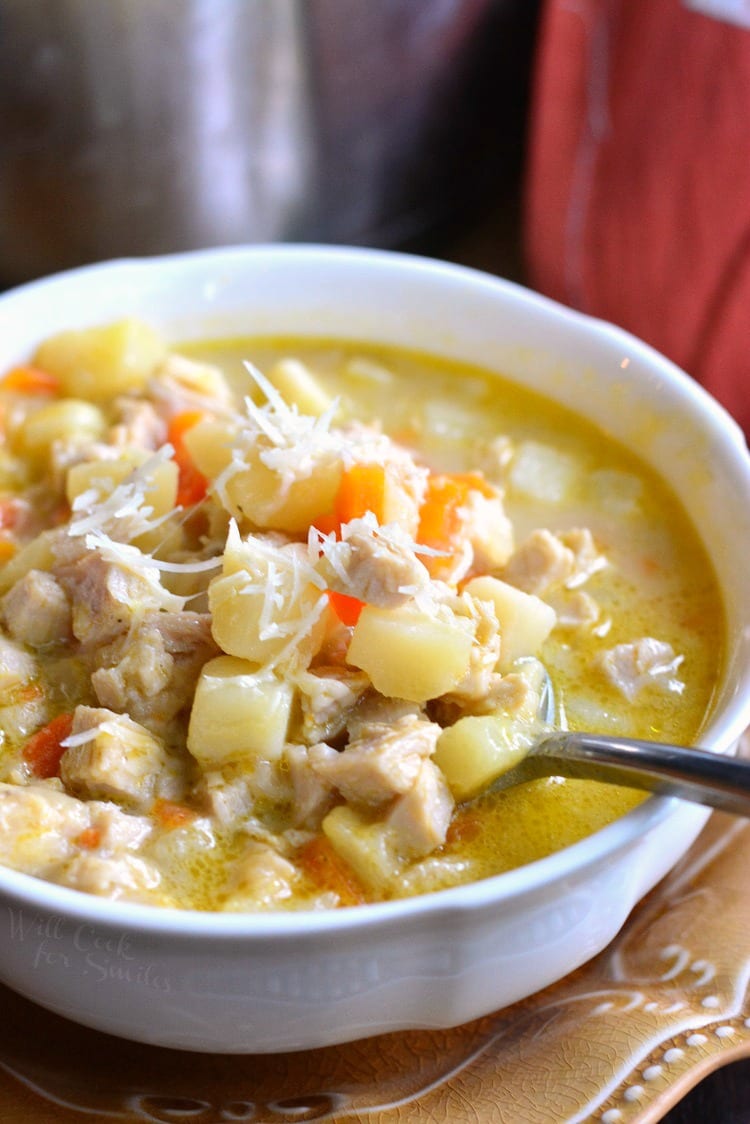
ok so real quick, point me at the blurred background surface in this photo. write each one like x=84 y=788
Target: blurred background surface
x=150 y=126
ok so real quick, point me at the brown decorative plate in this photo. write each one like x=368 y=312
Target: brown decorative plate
x=618 y=1042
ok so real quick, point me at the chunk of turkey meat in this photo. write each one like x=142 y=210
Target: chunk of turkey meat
x=643 y=663
x=122 y=878
x=121 y=761
x=421 y=817
x=37 y=611
x=489 y=531
x=375 y=712
x=544 y=560
x=226 y=799
x=39 y=826
x=152 y=672
x=117 y=831
x=374 y=565
x=327 y=696
x=510 y=694
x=375 y=768
x=576 y=609
x=260 y=879
x=313 y=793
x=17 y=666
x=540 y=561
x=485 y=653
x=106 y=597
x=137 y=425
x=180 y=383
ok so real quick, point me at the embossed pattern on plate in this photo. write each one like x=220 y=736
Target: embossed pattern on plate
x=618 y=1042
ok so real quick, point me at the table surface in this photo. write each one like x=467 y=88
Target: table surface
x=722 y=1098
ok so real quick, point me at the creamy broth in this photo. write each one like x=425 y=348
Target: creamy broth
x=660 y=581
x=632 y=632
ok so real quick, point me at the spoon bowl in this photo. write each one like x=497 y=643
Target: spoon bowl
x=669 y=770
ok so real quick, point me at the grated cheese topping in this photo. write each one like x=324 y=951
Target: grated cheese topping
x=282 y=575
x=90 y=735
x=108 y=524
x=124 y=513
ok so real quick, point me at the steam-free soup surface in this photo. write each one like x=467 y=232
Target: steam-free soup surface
x=276 y=613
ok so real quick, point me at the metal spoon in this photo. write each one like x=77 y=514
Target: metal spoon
x=670 y=770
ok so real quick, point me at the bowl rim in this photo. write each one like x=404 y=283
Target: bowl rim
x=33 y=892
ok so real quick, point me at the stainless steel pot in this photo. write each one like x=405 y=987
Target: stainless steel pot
x=143 y=126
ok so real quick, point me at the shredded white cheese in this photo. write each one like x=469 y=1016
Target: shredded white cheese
x=90 y=735
x=124 y=513
x=283 y=577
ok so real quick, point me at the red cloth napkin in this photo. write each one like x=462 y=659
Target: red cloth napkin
x=638 y=184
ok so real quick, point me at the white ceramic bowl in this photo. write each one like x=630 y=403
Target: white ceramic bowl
x=246 y=983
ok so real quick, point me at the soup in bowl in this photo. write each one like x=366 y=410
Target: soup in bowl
x=293 y=538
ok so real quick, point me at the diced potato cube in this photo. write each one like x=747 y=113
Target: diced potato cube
x=408 y=654
x=449 y=420
x=14 y=473
x=17 y=666
x=209 y=443
x=238 y=715
x=400 y=503
x=35 y=555
x=298 y=386
x=68 y=417
x=99 y=363
x=475 y=750
x=256 y=494
x=240 y=622
x=104 y=477
x=619 y=492
x=368 y=370
x=161 y=488
x=203 y=380
x=367 y=845
x=525 y=620
x=543 y=472
x=238 y=552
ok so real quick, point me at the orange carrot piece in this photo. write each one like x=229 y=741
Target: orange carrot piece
x=192 y=484
x=439 y=519
x=181 y=423
x=327 y=871
x=328 y=524
x=170 y=814
x=90 y=838
x=346 y=608
x=43 y=750
x=9 y=513
x=442 y=516
x=30 y=380
x=28 y=692
x=362 y=489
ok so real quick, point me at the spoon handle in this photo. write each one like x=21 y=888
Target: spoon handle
x=691 y=774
